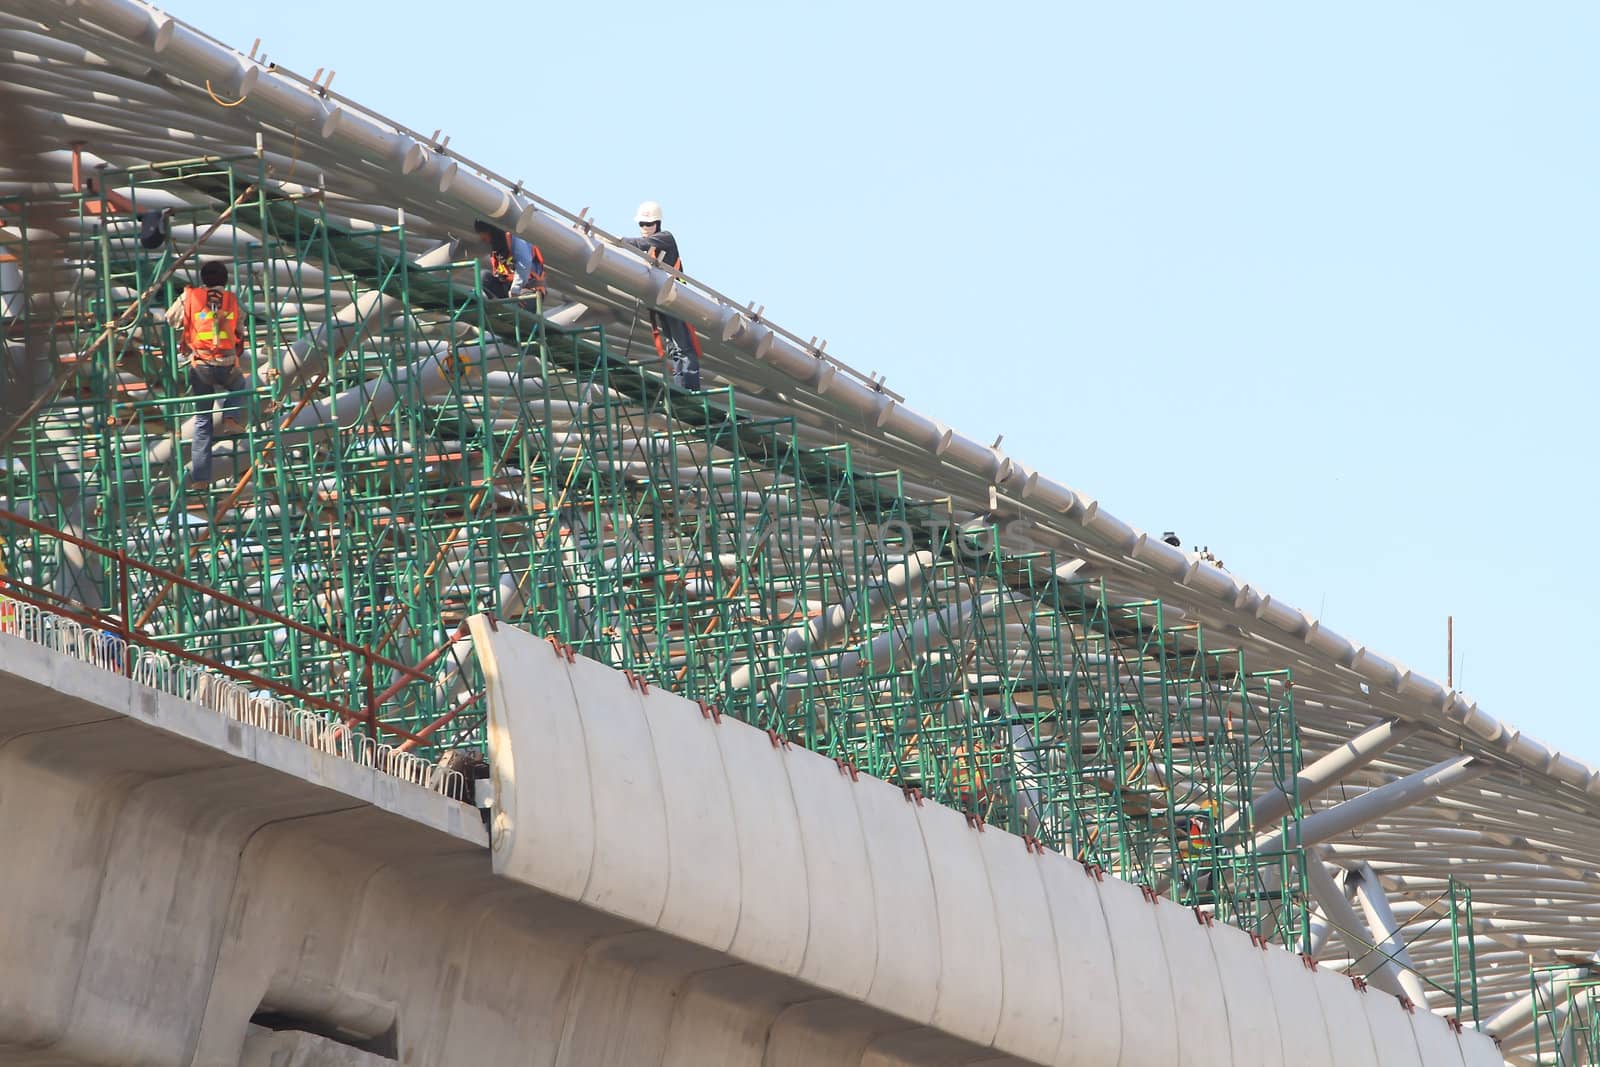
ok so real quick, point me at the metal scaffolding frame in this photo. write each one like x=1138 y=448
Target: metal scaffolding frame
x=416 y=453
x=882 y=630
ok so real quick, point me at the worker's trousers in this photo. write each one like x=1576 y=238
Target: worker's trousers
x=677 y=346
x=206 y=380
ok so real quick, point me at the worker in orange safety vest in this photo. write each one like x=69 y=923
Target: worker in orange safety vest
x=966 y=775
x=211 y=325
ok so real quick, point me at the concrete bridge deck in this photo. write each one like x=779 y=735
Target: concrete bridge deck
x=181 y=888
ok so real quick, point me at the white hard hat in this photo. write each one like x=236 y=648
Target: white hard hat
x=649 y=211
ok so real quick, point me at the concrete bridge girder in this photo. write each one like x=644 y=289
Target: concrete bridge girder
x=191 y=890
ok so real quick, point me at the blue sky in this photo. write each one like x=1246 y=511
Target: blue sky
x=1312 y=286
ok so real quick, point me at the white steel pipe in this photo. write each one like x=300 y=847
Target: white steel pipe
x=1386 y=930
x=1550 y=991
x=1349 y=927
x=1376 y=803
x=887 y=650
x=423 y=173
x=1321 y=775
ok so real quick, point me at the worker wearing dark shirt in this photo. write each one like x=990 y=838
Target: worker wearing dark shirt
x=516 y=269
x=675 y=342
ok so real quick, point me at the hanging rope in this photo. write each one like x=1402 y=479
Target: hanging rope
x=294 y=154
x=215 y=99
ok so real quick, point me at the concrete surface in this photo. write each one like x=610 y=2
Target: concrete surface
x=168 y=876
x=639 y=805
x=180 y=889
x=295 y=1048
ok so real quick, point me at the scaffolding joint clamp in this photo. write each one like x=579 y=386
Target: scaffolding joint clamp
x=1258 y=940
x=1093 y=870
x=847 y=767
x=1203 y=918
x=709 y=710
x=1359 y=982
x=562 y=648
x=637 y=681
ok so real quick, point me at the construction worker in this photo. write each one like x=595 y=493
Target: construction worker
x=516 y=268
x=154 y=228
x=211 y=323
x=967 y=780
x=675 y=342
x=1192 y=836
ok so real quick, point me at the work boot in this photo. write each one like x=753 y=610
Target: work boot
x=232 y=427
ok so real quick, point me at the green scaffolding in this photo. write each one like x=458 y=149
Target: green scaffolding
x=448 y=455
x=1566 y=1016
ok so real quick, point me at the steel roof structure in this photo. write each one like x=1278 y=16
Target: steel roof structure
x=1406 y=783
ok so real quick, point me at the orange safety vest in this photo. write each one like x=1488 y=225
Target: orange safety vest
x=966 y=772
x=211 y=334
x=655 y=324
x=504 y=267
